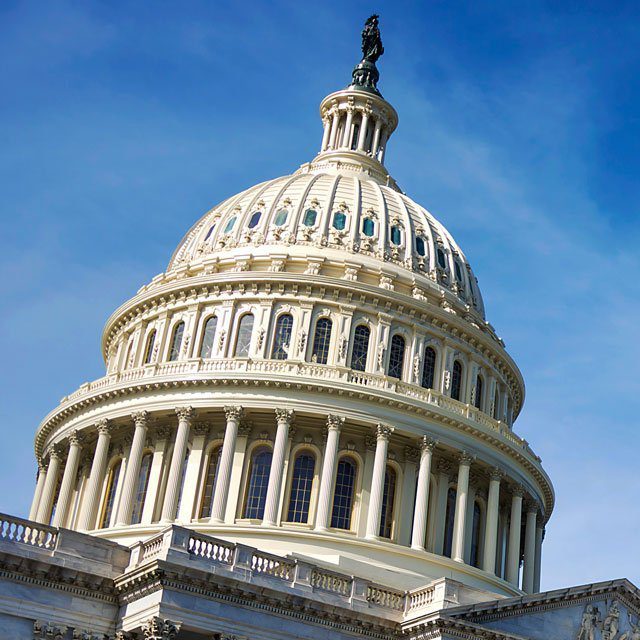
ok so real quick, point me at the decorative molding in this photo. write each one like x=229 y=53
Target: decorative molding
x=334 y=422
x=233 y=413
x=158 y=629
x=140 y=418
x=185 y=413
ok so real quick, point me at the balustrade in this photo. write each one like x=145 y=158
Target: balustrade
x=14 y=529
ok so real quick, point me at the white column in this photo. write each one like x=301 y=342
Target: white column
x=491 y=525
x=50 y=486
x=407 y=504
x=377 y=482
x=539 y=540
x=334 y=424
x=325 y=134
x=513 y=552
x=171 y=494
x=444 y=469
x=419 y=532
x=346 y=138
x=132 y=470
x=68 y=481
x=90 y=501
x=459 y=525
x=190 y=488
x=334 y=129
x=468 y=536
x=42 y=474
x=382 y=146
x=221 y=489
x=234 y=499
x=376 y=137
x=284 y=418
x=363 y=131
x=528 y=571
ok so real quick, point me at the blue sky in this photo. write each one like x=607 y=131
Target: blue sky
x=121 y=123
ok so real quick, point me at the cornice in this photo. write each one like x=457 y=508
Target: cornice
x=229 y=284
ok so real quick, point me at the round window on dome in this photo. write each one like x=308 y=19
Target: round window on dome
x=368 y=227
x=310 y=216
x=230 y=224
x=339 y=220
x=420 y=246
x=396 y=235
x=442 y=260
x=281 y=217
x=255 y=219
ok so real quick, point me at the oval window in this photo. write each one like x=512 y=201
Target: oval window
x=230 y=224
x=368 y=227
x=420 y=248
x=281 y=217
x=255 y=218
x=442 y=261
x=396 y=235
x=310 y=216
x=211 y=228
x=339 y=220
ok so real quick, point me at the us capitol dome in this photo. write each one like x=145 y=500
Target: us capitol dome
x=313 y=374
x=307 y=417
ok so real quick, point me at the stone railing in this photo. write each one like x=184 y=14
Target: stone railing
x=265 y=569
x=27 y=532
x=290 y=369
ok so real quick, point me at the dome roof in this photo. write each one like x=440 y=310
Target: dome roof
x=337 y=210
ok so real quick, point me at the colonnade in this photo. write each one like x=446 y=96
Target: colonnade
x=501 y=548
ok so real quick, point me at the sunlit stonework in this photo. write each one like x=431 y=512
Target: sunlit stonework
x=306 y=427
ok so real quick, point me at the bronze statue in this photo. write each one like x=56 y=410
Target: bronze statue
x=365 y=75
x=372 y=47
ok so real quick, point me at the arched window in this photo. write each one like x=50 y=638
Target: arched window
x=321 y=341
x=343 y=494
x=255 y=219
x=360 y=347
x=388 y=498
x=356 y=135
x=429 y=368
x=449 y=520
x=210 y=482
x=141 y=488
x=176 y=341
x=475 y=535
x=396 y=356
x=110 y=495
x=257 y=485
x=301 y=484
x=208 y=335
x=243 y=339
x=128 y=361
x=151 y=341
x=479 y=391
x=282 y=337
x=456 y=380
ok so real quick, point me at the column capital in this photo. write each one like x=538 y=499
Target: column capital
x=185 y=413
x=428 y=444
x=42 y=464
x=105 y=427
x=55 y=452
x=531 y=506
x=159 y=629
x=383 y=431
x=496 y=473
x=444 y=466
x=75 y=438
x=334 y=423
x=233 y=412
x=140 y=418
x=466 y=458
x=518 y=491
x=285 y=415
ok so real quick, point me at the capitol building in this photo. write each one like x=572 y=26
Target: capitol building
x=307 y=428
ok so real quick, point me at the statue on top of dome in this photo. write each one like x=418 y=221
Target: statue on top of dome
x=372 y=47
x=365 y=75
